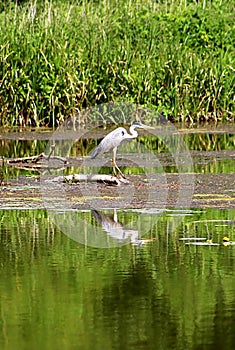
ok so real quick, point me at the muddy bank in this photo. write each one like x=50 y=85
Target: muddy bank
x=157 y=191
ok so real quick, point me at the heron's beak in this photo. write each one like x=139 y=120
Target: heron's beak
x=146 y=126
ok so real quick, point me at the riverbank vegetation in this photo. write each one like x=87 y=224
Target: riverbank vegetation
x=59 y=57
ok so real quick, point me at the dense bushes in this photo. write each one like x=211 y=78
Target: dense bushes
x=59 y=57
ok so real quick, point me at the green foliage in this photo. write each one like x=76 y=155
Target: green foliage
x=59 y=57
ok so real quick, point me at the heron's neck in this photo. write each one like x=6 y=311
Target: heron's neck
x=133 y=132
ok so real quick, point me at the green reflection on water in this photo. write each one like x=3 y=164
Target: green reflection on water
x=211 y=153
x=57 y=293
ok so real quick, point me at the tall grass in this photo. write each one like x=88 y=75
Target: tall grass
x=58 y=57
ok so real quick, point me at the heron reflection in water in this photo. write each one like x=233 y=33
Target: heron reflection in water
x=114 y=139
x=117 y=230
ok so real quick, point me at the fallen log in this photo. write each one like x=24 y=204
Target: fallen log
x=34 y=159
x=108 y=179
x=41 y=162
x=101 y=178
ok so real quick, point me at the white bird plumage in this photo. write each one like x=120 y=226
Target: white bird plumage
x=114 y=139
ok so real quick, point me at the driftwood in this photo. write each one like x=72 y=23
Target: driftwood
x=77 y=178
x=35 y=162
x=41 y=161
x=34 y=159
x=102 y=178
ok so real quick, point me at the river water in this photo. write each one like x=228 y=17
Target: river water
x=137 y=277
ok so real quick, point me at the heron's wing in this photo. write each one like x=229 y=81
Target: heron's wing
x=110 y=141
x=96 y=151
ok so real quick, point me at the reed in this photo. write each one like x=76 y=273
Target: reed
x=59 y=57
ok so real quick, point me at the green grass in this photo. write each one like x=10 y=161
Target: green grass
x=59 y=57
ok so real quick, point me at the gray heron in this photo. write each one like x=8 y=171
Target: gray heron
x=118 y=231
x=115 y=228
x=114 y=139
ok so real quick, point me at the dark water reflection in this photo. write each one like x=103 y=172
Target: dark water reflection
x=57 y=293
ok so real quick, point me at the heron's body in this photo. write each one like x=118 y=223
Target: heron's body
x=114 y=139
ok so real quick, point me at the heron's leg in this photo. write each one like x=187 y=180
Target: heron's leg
x=121 y=173
x=115 y=217
x=113 y=161
x=114 y=168
x=114 y=164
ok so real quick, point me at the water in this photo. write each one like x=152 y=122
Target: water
x=211 y=149
x=129 y=278
x=164 y=294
